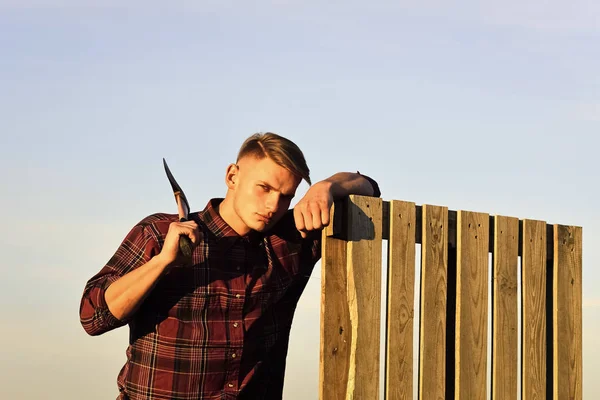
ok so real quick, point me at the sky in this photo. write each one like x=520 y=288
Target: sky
x=475 y=105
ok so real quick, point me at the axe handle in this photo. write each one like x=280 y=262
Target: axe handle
x=185 y=244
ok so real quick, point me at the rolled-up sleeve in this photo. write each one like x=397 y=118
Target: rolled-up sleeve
x=373 y=182
x=138 y=247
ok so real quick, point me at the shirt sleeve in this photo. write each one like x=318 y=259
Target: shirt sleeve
x=312 y=244
x=376 y=191
x=138 y=247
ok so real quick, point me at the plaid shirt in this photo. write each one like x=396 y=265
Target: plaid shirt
x=218 y=329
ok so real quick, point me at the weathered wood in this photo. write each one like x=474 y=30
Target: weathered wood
x=471 y=305
x=453 y=330
x=534 y=310
x=338 y=229
x=400 y=301
x=434 y=270
x=364 y=296
x=505 y=308
x=335 y=320
x=567 y=313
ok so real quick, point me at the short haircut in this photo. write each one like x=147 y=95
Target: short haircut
x=282 y=151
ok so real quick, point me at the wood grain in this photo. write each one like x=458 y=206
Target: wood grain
x=400 y=301
x=364 y=296
x=434 y=274
x=471 y=305
x=505 y=308
x=335 y=320
x=567 y=313
x=534 y=277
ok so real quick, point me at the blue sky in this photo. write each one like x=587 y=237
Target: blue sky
x=473 y=105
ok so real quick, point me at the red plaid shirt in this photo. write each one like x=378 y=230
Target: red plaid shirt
x=218 y=329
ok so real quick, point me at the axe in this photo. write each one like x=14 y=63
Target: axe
x=183 y=209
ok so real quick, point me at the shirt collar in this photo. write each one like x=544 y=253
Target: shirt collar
x=221 y=229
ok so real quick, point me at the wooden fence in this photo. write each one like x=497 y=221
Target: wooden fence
x=453 y=314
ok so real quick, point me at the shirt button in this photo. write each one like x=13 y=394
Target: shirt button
x=235 y=325
x=237 y=296
x=238 y=268
x=230 y=385
x=233 y=355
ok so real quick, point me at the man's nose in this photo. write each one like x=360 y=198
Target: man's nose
x=273 y=204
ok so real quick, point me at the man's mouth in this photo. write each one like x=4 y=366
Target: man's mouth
x=266 y=220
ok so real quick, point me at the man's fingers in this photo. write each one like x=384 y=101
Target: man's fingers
x=308 y=220
x=299 y=220
x=170 y=251
x=187 y=228
x=193 y=234
x=316 y=218
x=325 y=218
x=311 y=216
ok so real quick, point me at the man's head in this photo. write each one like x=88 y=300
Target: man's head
x=262 y=182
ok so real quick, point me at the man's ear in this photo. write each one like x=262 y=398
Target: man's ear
x=231 y=176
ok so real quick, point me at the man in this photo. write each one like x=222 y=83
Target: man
x=218 y=328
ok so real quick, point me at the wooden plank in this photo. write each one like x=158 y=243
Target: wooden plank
x=364 y=296
x=338 y=229
x=534 y=277
x=434 y=270
x=400 y=301
x=567 y=313
x=505 y=308
x=335 y=320
x=472 y=305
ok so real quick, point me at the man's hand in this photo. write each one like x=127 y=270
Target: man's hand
x=312 y=211
x=170 y=248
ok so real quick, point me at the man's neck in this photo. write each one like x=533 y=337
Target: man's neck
x=227 y=212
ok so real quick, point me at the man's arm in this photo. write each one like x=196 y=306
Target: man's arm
x=312 y=211
x=116 y=292
x=346 y=183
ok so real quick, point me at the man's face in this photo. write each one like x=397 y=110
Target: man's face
x=262 y=192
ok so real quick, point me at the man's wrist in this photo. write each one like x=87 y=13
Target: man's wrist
x=161 y=263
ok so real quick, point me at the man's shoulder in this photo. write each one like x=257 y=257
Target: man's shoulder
x=155 y=224
x=160 y=222
x=156 y=218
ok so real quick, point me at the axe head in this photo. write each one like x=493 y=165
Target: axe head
x=182 y=203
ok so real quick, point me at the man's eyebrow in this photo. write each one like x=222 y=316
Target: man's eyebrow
x=261 y=182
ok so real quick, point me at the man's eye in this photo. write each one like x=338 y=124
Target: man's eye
x=264 y=187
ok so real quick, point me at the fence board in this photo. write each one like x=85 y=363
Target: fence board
x=472 y=305
x=505 y=308
x=364 y=296
x=453 y=304
x=434 y=271
x=534 y=310
x=400 y=300
x=567 y=310
x=335 y=321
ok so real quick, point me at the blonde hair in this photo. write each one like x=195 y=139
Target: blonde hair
x=282 y=151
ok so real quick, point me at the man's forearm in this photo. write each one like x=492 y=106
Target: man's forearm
x=347 y=183
x=125 y=295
